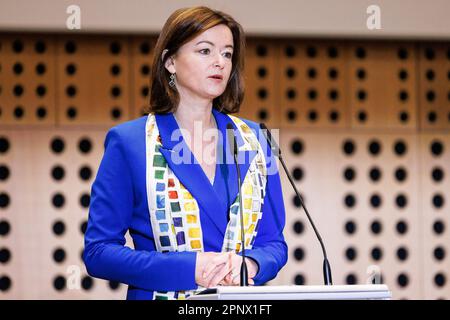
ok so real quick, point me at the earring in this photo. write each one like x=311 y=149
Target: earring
x=172 y=80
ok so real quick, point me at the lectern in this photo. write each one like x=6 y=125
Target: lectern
x=338 y=292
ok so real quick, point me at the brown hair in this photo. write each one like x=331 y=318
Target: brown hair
x=181 y=27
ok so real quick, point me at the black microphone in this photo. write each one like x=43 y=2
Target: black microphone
x=233 y=147
x=277 y=152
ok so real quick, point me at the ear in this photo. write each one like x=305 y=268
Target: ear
x=170 y=62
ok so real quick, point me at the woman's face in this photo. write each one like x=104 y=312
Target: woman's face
x=198 y=60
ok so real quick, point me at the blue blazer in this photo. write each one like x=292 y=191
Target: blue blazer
x=119 y=203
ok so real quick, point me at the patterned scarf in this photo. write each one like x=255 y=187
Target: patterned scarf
x=175 y=214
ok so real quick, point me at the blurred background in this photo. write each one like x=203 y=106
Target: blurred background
x=360 y=91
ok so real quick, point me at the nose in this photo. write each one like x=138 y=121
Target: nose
x=219 y=62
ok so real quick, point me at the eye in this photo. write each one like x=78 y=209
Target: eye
x=228 y=55
x=204 y=51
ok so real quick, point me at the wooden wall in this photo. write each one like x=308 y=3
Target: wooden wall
x=364 y=127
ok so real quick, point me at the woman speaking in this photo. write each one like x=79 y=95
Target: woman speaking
x=167 y=177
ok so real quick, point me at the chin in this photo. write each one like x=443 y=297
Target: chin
x=214 y=94
x=218 y=91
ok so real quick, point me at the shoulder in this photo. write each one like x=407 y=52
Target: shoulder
x=129 y=129
x=127 y=133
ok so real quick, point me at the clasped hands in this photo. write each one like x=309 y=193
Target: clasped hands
x=222 y=268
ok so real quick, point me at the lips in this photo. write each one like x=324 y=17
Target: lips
x=216 y=76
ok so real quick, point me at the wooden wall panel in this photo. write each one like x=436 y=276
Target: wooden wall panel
x=383 y=85
x=49 y=199
x=354 y=212
x=17 y=239
x=434 y=85
x=141 y=58
x=261 y=101
x=400 y=154
x=313 y=84
x=93 y=80
x=27 y=79
x=435 y=195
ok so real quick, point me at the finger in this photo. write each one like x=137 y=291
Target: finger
x=225 y=278
x=211 y=265
x=228 y=279
x=235 y=274
x=219 y=276
x=225 y=281
x=237 y=282
x=216 y=270
x=236 y=261
x=213 y=273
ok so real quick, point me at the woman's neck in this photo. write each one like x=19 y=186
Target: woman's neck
x=201 y=136
x=195 y=115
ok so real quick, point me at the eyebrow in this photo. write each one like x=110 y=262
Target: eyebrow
x=209 y=42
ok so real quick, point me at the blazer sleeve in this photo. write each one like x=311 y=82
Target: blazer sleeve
x=270 y=249
x=105 y=254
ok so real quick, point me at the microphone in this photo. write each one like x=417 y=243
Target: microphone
x=233 y=147
x=277 y=152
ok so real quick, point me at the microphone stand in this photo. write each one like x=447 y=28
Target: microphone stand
x=277 y=152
